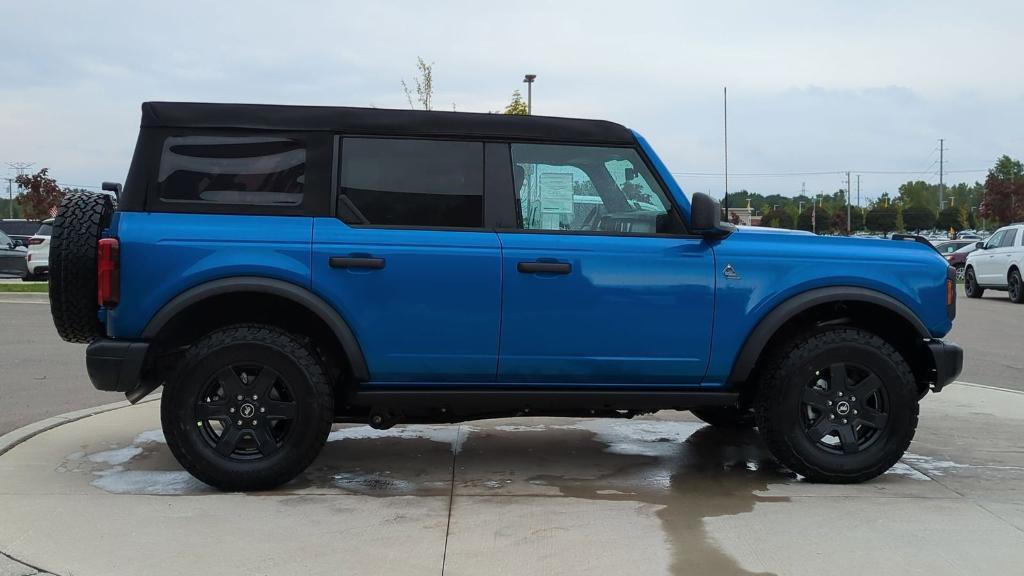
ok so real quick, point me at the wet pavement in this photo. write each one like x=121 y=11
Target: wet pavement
x=662 y=494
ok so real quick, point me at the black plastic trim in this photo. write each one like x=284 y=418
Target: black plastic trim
x=356 y=262
x=539 y=400
x=775 y=319
x=949 y=362
x=297 y=294
x=544 y=267
x=115 y=365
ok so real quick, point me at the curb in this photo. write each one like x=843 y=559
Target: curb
x=15 y=437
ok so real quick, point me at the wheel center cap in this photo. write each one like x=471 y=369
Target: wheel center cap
x=247 y=410
x=843 y=408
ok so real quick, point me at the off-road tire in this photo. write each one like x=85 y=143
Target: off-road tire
x=1015 y=287
x=781 y=422
x=294 y=359
x=971 y=288
x=77 y=228
x=726 y=416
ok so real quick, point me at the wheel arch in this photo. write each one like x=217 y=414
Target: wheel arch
x=277 y=299
x=826 y=304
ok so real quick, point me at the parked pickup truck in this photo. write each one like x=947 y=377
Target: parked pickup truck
x=281 y=268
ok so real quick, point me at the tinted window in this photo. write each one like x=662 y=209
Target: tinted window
x=587 y=188
x=45 y=230
x=1009 y=238
x=429 y=183
x=232 y=170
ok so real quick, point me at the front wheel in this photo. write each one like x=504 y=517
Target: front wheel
x=839 y=406
x=1015 y=287
x=249 y=408
x=971 y=288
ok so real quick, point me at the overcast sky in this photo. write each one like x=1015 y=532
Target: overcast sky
x=813 y=86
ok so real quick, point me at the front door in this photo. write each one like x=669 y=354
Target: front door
x=408 y=263
x=600 y=284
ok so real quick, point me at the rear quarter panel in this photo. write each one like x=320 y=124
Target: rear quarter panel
x=774 y=267
x=164 y=254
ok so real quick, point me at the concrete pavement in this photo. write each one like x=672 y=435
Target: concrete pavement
x=658 y=495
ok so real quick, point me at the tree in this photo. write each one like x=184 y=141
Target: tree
x=951 y=217
x=883 y=219
x=1004 y=192
x=424 y=86
x=38 y=194
x=838 y=222
x=918 y=218
x=518 y=106
x=804 y=222
x=777 y=219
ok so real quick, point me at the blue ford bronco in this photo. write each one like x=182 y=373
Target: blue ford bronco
x=281 y=268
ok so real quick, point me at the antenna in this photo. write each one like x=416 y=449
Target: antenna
x=725 y=119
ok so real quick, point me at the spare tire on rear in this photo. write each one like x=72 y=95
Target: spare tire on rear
x=77 y=229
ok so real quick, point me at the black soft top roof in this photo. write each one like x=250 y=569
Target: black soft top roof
x=381 y=122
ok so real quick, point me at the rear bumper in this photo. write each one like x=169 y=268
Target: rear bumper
x=948 y=359
x=115 y=365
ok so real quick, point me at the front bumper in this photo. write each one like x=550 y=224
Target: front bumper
x=948 y=359
x=115 y=365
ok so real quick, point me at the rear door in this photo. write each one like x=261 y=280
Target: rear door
x=407 y=261
x=601 y=283
x=1002 y=257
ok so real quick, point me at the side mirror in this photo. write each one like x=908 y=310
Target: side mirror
x=980 y=245
x=114 y=187
x=706 y=217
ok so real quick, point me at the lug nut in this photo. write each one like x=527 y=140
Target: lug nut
x=253 y=422
x=854 y=412
x=240 y=397
x=239 y=422
x=232 y=410
x=829 y=402
x=840 y=394
x=262 y=410
x=853 y=398
x=255 y=397
x=831 y=416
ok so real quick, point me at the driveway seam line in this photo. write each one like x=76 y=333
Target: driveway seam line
x=451 y=499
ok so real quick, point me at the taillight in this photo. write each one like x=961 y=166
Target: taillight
x=108 y=273
x=34 y=241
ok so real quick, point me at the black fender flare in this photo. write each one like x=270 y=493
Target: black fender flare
x=770 y=324
x=262 y=285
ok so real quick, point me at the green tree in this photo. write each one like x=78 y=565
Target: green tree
x=919 y=194
x=918 y=217
x=424 y=86
x=777 y=219
x=804 y=222
x=883 y=219
x=518 y=106
x=951 y=217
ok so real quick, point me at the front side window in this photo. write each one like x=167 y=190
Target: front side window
x=588 y=188
x=401 y=182
x=232 y=170
x=995 y=239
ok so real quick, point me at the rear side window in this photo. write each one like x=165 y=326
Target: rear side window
x=1009 y=238
x=401 y=182
x=232 y=170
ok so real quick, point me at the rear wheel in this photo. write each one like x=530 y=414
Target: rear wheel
x=726 y=416
x=971 y=288
x=77 y=229
x=840 y=406
x=249 y=409
x=1015 y=287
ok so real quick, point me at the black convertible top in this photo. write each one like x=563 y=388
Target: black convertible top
x=381 y=122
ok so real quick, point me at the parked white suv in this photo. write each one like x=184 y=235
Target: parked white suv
x=996 y=264
x=38 y=257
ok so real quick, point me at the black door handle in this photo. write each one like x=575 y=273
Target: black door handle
x=544 y=267
x=356 y=262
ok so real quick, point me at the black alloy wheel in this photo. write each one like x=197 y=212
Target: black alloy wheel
x=844 y=408
x=1015 y=287
x=971 y=288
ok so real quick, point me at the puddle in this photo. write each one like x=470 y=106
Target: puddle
x=687 y=471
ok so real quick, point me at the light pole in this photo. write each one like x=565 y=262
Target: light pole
x=529 y=78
